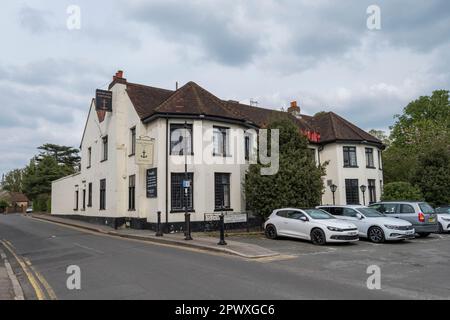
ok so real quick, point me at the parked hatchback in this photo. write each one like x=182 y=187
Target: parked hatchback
x=372 y=224
x=443 y=213
x=420 y=214
x=315 y=225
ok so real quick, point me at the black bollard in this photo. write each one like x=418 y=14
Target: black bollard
x=222 y=241
x=187 y=232
x=158 y=226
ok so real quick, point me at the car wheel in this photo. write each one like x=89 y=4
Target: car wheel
x=423 y=234
x=271 y=232
x=441 y=228
x=376 y=235
x=318 y=237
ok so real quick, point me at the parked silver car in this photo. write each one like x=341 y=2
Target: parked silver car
x=372 y=224
x=420 y=214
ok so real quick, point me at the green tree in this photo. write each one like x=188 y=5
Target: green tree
x=424 y=122
x=12 y=181
x=64 y=155
x=3 y=205
x=38 y=177
x=433 y=175
x=396 y=191
x=381 y=135
x=298 y=182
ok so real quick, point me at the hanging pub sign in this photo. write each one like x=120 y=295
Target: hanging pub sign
x=144 y=151
x=103 y=100
x=152 y=183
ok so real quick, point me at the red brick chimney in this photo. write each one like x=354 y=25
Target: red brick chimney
x=294 y=109
x=117 y=78
x=119 y=75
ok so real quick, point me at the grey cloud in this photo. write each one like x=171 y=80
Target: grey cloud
x=35 y=20
x=194 y=23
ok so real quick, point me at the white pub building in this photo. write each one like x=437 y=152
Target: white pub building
x=138 y=138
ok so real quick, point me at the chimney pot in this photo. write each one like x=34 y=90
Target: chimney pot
x=294 y=109
x=293 y=104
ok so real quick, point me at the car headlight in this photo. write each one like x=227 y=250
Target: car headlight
x=334 y=229
x=392 y=227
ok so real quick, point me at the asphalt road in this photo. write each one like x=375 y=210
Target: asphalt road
x=115 y=268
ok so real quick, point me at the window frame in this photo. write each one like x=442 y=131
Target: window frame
x=352 y=191
x=132 y=141
x=225 y=136
x=177 y=209
x=105 y=147
x=370 y=160
x=372 y=189
x=89 y=157
x=220 y=187
x=132 y=192
x=175 y=126
x=347 y=151
x=102 y=194
x=77 y=194
x=89 y=202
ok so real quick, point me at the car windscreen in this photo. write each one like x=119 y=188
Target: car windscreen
x=318 y=214
x=370 y=213
x=443 y=210
x=426 y=208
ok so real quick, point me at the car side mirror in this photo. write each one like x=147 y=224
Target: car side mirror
x=359 y=216
x=304 y=219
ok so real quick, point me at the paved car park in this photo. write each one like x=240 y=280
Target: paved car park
x=416 y=269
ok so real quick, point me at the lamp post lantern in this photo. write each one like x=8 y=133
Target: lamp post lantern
x=333 y=189
x=363 y=190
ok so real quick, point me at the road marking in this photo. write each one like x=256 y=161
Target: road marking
x=44 y=282
x=18 y=292
x=34 y=283
x=88 y=248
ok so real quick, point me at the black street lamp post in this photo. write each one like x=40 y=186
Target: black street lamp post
x=333 y=189
x=222 y=241
x=186 y=186
x=363 y=190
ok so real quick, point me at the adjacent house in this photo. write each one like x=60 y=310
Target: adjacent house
x=18 y=202
x=190 y=129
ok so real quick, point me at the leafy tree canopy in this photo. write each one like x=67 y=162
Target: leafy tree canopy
x=433 y=175
x=63 y=155
x=396 y=191
x=298 y=182
x=12 y=181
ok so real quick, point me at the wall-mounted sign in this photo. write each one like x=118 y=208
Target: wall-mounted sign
x=103 y=100
x=152 y=183
x=144 y=152
x=235 y=217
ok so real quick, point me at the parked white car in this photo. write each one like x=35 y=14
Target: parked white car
x=443 y=214
x=372 y=224
x=315 y=225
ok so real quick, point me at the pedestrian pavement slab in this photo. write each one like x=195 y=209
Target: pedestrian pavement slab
x=241 y=249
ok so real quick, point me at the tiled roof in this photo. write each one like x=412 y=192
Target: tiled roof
x=333 y=127
x=13 y=196
x=192 y=99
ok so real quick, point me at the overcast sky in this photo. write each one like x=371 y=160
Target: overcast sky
x=320 y=53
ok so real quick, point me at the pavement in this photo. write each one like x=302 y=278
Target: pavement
x=113 y=267
x=241 y=249
x=10 y=288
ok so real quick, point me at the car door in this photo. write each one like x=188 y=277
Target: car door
x=390 y=209
x=297 y=227
x=282 y=222
x=350 y=215
x=407 y=212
